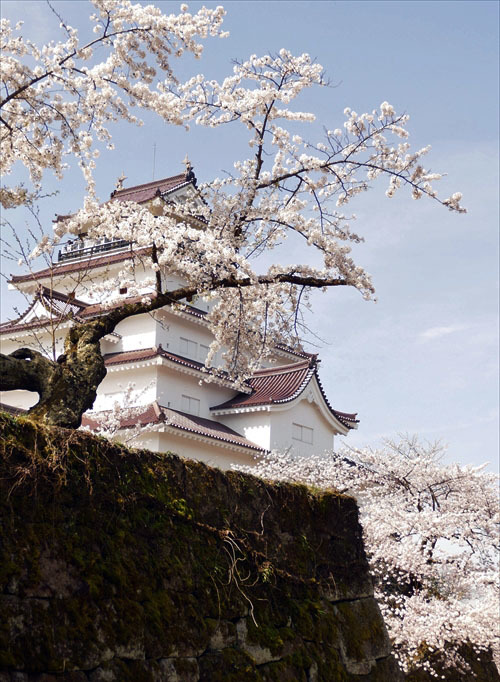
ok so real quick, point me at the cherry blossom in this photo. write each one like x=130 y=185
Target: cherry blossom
x=428 y=526
x=57 y=100
x=60 y=98
x=431 y=531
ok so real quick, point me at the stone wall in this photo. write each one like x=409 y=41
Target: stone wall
x=128 y=565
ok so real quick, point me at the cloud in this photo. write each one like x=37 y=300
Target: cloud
x=437 y=332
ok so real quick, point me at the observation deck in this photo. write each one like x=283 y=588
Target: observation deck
x=79 y=249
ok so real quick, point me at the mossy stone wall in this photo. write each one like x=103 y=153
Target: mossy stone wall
x=133 y=566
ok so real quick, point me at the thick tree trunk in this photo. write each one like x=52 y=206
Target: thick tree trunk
x=68 y=386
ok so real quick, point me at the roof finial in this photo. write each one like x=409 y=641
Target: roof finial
x=119 y=182
x=189 y=173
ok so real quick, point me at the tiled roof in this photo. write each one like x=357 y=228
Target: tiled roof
x=14 y=326
x=78 y=266
x=50 y=296
x=60 y=306
x=148 y=191
x=79 y=310
x=121 y=358
x=147 y=354
x=274 y=385
x=198 y=426
x=98 y=308
x=278 y=385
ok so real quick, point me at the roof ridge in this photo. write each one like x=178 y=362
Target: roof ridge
x=285 y=369
x=147 y=185
x=90 y=263
x=59 y=296
x=310 y=362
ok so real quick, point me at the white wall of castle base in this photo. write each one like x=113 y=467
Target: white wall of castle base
x=211 y=453
x=172 y=385
x=20 y=399
x=255 y=426
x=303 y=414
x=115 y=382
x=273 y=430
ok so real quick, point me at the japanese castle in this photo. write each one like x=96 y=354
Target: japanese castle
x=155 y=362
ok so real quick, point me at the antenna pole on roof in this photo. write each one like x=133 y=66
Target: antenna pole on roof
x=154 y=159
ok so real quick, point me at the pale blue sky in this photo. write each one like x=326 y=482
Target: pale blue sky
x=424 y=358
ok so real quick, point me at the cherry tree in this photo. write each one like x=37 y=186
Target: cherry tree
x=57 y=100
x=431 y=531
x=287 y=188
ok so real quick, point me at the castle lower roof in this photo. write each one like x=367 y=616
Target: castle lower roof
x=280 y=385
x=63 y=307
x=142 y=354
x=79 y=266
x=182 y=421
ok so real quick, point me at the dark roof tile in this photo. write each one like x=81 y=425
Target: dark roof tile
x=199 y=426
x=277 y=385
x=149 y=190
x=121 y=358
x=78 y=266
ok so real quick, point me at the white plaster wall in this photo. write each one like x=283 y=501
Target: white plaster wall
x=96 y=285
x=172 y=385
x=255 y=426
x=171 y=328
x=21 y=399
x=150 y=440
x=116 y=381
x=212 y=454
x=305 y=414
x=86 y=284
x=40 y=340
x=173 y=282
x=137 y=332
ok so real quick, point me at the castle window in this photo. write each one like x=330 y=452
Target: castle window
x=203 y=352
x=123 y=290
x=188 y=347
x=302 y=433
x=190 y=405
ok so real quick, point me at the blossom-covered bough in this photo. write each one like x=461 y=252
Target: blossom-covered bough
x=287 y=189
x=59 y=99
x=431 y=531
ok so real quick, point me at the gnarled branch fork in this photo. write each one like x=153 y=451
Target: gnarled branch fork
x=68 y=385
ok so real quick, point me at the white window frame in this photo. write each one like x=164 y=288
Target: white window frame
x=188 y=347
x=190 y=405
x=304 y=434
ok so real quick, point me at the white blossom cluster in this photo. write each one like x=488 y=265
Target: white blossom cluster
x=287 y=187
x=60 y=98
x=432 y=535
x=108 y=422
x=57 y=100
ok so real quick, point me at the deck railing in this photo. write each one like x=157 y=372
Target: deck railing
x=73 y=252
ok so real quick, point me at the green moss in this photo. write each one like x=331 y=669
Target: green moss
x=130 y=552
x=231 y=665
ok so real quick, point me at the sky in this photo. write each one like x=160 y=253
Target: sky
x=423 y=358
